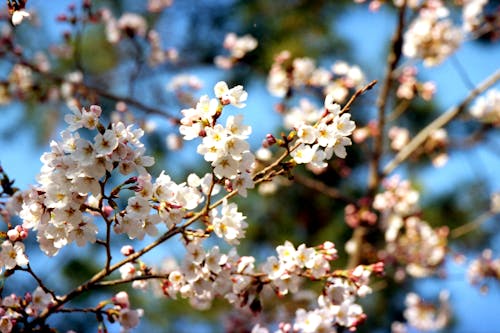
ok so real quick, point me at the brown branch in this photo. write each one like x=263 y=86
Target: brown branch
x=322 y=188
x=131 y=279
x=392 y=62
x=105 y=94
x=30 y=271
x=378 y=146
x=438 y=123
x=358 y=93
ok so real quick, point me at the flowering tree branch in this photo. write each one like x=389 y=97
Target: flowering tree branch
x=439 y=122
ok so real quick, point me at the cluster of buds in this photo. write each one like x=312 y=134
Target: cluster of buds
x=360 y=213
x=409 y=86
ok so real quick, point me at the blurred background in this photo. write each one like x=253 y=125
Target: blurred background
x=326 y=31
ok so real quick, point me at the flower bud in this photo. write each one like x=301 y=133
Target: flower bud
x=127 y=250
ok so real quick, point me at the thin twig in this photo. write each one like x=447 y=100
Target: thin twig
x=39 y=281
x=471 y=226
x=462 y=72
x=322 y=188
x=105 y=94
x=358 y=93
x=131 y=279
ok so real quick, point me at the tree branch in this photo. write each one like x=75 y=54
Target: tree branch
x=392 y=62
x=438 y=123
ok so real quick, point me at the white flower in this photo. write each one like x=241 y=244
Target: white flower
x=40 y=299
x=487 y=108
x=307 y=133
x=303 y=154
x=12 y=254
x=339 y=147
x=344 y=124
x=471 y=13
x=134 y=23
x=432 y=36
x=259 y=329
x=231 y=224
x=234 y=96
x=273 y=268
x=234 y=124
x=348 y=313
x=278 y=82
x=239 y=46
x=6 y=324
x=326 y=134
x=305 y=256
x=138 y=207
x=287 y=255
x=307 y=321
x=129 y=318
x=127 y=271
x=243 y=182
x=225 y=167
x=303 y=69
x=18 y=16
x=104 y=144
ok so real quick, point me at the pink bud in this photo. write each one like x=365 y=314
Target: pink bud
x=121 y=299
x=107 y=210
x=127 y=250
x=13 y=235
x=271 y=140
x=378 y=268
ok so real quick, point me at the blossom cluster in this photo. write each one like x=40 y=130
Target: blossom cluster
x=223 y=146
x=71 y=182
x=487 y=108
x=472 y=13
x=14 y=308
x=238 y=47
x=425 y=316
x=336 y=306
x=126 y=316
x=318 y=142
x=411 y=241
x=206 y=274
x=435 y=146
x=289 y=73
x=131 y=25
x=483 y=268
x=94 y=182
x=432 y=36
